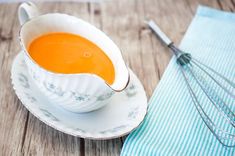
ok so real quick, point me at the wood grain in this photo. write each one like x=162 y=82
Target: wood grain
x=123 y=20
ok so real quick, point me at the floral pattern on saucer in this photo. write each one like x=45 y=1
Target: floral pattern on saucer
x=125 y=111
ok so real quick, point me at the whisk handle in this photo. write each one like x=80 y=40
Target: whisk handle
x=155 y=28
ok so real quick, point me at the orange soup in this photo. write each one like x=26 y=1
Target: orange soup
x=68 y=54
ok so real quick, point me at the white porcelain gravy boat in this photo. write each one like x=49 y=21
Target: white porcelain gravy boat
x=74 y=92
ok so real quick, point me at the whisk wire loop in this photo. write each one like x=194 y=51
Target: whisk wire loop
x=222 y=135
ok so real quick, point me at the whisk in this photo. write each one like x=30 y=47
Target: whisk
x=217 y=90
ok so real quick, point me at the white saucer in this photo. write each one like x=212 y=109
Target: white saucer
x=122 y=115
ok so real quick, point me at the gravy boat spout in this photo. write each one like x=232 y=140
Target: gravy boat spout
x=122 y=76
x=74 y=92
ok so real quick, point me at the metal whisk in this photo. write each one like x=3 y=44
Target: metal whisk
x=208 y=89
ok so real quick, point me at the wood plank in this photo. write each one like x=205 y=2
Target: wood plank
x=227 y=5
x=13 y=116
x=103 y=147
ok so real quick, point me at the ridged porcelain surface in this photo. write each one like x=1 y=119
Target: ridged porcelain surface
x=74 y=92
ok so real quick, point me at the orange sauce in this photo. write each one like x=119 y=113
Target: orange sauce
x=69 y=54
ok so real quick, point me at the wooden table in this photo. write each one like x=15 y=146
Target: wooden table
x=123 y=20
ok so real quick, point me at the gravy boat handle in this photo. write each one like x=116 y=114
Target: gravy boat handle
x=26 y=11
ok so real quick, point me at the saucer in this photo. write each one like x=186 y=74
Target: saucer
x=124 y=112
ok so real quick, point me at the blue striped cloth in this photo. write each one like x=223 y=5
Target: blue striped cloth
x=173 y=125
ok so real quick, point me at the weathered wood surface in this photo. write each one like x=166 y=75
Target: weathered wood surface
x=22 y=134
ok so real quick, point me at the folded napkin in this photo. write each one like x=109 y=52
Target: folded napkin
x=173 y=125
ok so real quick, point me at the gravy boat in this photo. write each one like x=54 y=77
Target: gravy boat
x=74 y=92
